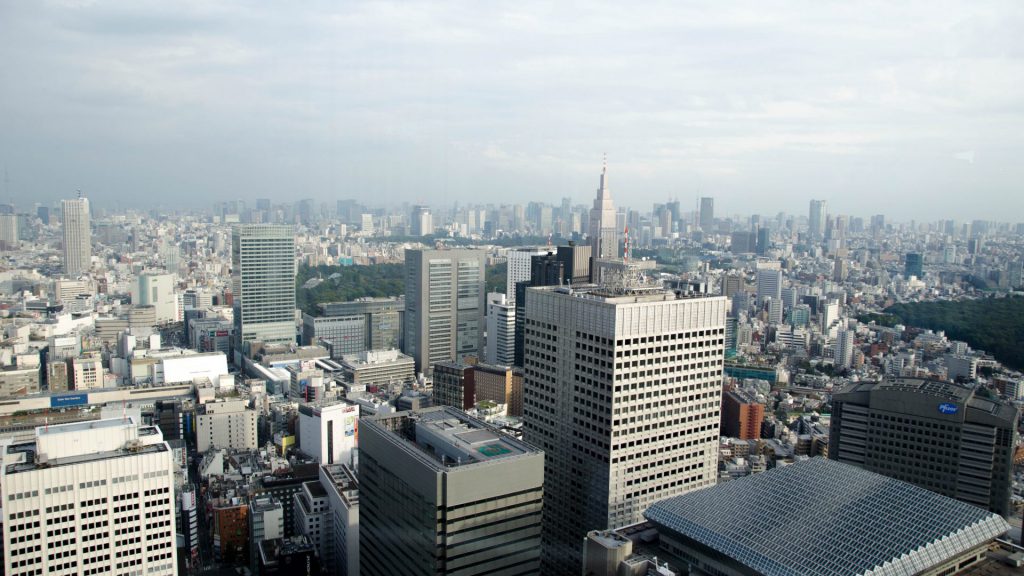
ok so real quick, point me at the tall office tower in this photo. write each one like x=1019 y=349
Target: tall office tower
x=843 y=349
x=603 y=233
x=575 y=259
x=769 y=281
x=422 y=223
x=444 y=305
x=501 y=330
x=913 y=266
x=519 y=268
x=544 y=271
x=622 y=390
x=444 y=493
x=263 y=274
x=89 y=498
x=707 y=214
x=937 y=435
x=8 y=232
x=77 y=236
x=840 y=269
x=764 y=241
x=774 y=308
x=816 y=220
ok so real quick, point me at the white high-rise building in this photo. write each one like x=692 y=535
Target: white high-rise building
x=77 y=236
x=622 y=391
x=501 y=330
x=263 y=268
x=603 y=233
x=843 y=348
x=519 y=261
x=8 y=232
x=89 y=498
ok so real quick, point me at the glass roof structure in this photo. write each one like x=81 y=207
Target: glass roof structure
x=825 y=518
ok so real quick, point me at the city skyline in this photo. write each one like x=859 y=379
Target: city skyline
x=450 y=102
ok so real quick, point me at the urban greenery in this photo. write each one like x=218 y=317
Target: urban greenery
x=344 y=283
x=995 y=325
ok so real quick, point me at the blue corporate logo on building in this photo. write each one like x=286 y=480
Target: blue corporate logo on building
x=948 y=408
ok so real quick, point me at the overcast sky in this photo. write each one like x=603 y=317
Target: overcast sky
x=915 y=110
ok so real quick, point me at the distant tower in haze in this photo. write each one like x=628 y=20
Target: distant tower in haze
x=77 y=236
x=816 y=220
x=604 y=236
x=913 y=266
x=422 y=222
x=707 y=213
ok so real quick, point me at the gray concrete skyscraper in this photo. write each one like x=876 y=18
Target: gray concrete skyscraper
x=816 y=220
x=442 y=493
x=604 y=236
x=707 y=214
x=622 y=391
x=77 y=236
x=444 y=305
x=263 y=275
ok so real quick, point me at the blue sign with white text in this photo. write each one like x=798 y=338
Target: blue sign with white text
x=69 y=400
x=948 y=408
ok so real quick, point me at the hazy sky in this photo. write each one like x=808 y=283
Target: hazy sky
x=911 y=109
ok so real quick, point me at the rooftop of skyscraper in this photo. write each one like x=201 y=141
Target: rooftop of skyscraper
x=448 y=438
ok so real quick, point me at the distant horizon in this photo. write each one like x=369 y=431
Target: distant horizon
x=690 y=211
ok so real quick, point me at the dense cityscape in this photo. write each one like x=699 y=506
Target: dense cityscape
x=522 y=389
x=453 y=288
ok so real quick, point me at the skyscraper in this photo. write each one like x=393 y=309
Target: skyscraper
x=816 y=220
x=769 y=281
x=444 y=305
x=913 y=266
x=77 y=236
x=622 y=389
x=263 y=269
x=444 y=493
x=604 y=236
x=89 y=497
x=937 y=435
x=707 y=214
x=422 y=223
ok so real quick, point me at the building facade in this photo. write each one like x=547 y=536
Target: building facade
x=444 y=292
x=622 y=390
x=77 y=236
x=89 y=498
x=263 y=268
x=937 y=435
x=443 y=493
